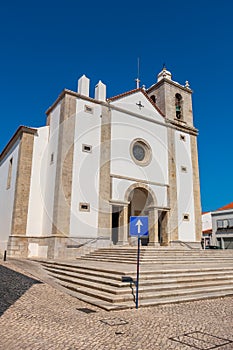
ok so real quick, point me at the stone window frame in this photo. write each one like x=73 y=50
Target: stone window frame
x=85 y=207
x=148 y=152
x=153 y=98
x=179 y=106
x=182 y=137
x=85 y=148
x=88 y=109
x=52 y=158
x=9 y=175
x=184 y=169
x=186 y=217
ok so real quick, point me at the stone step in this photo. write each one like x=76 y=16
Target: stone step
x=106 y=280
x=126 y=288
x=163 y=253
x=156 y=278
x=160 y=260
x=81 y=266
x=108 y=306
x=156 y=258
x=171 y=300
x=97 y=277
x=158 y=254
x=84 y=272
x=129 y=297
x=145 y=274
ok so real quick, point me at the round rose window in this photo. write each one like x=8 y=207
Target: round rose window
x=140 y=152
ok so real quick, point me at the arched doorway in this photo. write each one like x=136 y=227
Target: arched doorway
x=140 y=201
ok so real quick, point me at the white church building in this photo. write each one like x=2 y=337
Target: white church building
x=76 y=181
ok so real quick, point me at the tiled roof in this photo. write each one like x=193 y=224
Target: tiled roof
x=226 y=207
x=127 y=93
x=208 y=231
x=114 y=98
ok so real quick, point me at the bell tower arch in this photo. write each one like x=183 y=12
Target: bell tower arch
x=172 y=98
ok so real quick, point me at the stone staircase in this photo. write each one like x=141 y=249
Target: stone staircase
x=106 y=277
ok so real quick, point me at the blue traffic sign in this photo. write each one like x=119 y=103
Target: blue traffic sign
x=139 y=226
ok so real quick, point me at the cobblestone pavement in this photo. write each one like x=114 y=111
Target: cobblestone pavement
x=35 y=315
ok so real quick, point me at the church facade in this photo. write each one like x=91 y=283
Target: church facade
x=76 y=181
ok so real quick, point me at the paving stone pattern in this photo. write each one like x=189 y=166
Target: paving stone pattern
x=35 y=315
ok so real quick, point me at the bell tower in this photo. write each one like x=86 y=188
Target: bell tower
x=175 y=101
x=172 y=98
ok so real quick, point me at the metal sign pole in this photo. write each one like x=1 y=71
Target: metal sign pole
x=137 y=282
x=138 y=228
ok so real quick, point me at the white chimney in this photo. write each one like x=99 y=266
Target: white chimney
x=83 y=86
x=100 y=91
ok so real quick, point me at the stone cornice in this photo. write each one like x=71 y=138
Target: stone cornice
x=118 y=202
x=76 y=94
x=171 y=82
x=133 y=179
x=167 y=122
x=181 y=126
x=22 y=129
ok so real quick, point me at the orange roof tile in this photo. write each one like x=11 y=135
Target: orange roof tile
x=208 y=231
x=227 y=206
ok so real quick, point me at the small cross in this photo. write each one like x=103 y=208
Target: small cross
x=139 y=104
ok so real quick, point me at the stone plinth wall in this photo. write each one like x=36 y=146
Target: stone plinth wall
x=53 y=247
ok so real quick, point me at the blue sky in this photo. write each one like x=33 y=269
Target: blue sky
x=47 y=45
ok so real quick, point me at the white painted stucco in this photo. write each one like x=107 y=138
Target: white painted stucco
x=37 y=185
x=185 y=199
x=85 y=181
x=147 y=124
x=126 y=128
x=48 y=168
x=206 y=221
x=7 y=195
x=131 y=103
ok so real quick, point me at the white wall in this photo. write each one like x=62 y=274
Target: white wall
x=49 y=169
x=37 y=186
x=85 y=182
x=186 y=229
x=7 y=195
x=125 y=129
x=206 y=221
x=130 y=103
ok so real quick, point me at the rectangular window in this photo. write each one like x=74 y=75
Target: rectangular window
x=186 y=217
x=84 y=207
x=184 y=169
x=219 y=224
x=230 y=223
x=88 y=109
x=9 y=176
x=87 y=148
x=51 y=158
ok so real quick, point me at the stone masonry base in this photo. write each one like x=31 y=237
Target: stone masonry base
x=53 y=247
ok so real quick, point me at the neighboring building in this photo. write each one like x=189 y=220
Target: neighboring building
x=207 y=229
x=217 y=227
x=97 y=162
